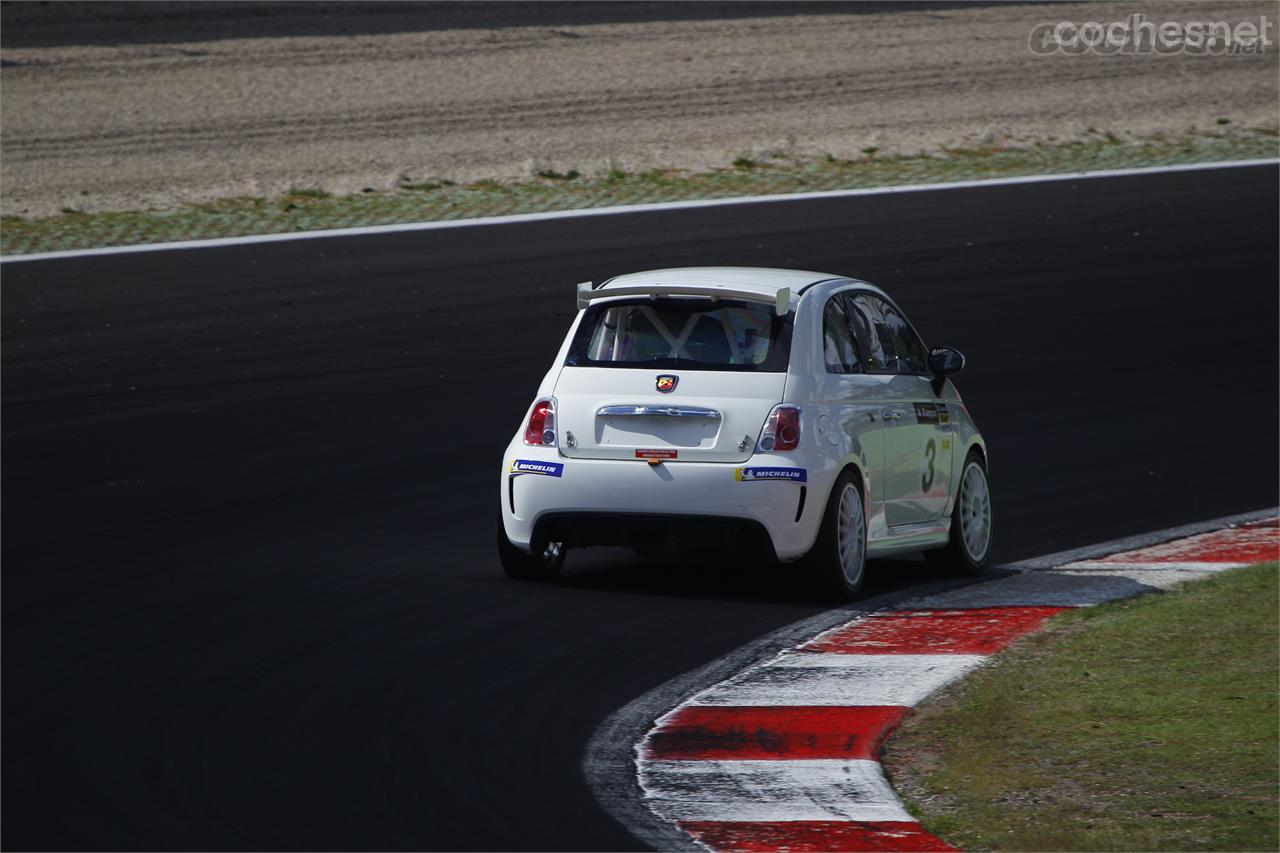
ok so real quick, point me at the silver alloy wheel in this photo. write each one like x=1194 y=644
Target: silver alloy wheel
x=851 y=535
x=975 y=512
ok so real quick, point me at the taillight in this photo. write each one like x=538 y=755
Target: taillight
x=788 y=428
x=542 y=424
x=781 y=430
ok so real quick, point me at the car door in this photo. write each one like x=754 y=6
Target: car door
x=916 y=425
x=848 y=405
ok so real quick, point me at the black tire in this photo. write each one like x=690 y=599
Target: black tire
x=542 y=565
x=826 y=558
x=959 y=557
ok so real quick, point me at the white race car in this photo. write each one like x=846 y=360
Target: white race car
x=779 y=412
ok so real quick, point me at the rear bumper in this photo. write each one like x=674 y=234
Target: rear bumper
x=658 y=535
x=601 y=501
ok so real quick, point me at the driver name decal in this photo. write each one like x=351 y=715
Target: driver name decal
x=926 y=413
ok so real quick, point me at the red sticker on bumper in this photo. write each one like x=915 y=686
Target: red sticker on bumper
x=657 y=454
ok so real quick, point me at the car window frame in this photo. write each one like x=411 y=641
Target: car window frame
x=838 y=301
x=853 y=292
x=919 y=341
x=850 y=309
x=779 y=360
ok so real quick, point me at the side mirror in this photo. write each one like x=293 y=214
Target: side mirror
x=944 y=361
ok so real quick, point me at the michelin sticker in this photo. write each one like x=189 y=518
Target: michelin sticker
x=751 y=475
x=531 y=466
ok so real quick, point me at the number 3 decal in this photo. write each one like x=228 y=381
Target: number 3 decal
x=930 y=453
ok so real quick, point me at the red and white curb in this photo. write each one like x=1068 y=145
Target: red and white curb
x=784 y=754
x=1208 y=552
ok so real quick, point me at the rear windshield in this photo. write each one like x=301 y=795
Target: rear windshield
x=691 y=334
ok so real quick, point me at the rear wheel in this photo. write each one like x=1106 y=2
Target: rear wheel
x=542 y=564
x=971 y=529
x=840 y=553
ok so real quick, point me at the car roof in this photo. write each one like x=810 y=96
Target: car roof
x=762 y=279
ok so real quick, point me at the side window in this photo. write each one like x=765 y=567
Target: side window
x=908 y=346
x=839 y=351
x=873 y=338
x=895 y=348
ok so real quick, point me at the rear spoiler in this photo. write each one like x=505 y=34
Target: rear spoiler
x=781 y=303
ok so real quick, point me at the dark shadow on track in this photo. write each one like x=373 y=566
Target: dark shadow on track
x=726 y=577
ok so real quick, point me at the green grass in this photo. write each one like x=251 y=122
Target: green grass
x=1147 y=724
x=312 y=208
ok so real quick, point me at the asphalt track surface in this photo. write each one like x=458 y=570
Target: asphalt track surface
x=250 y=598
x=152 y=22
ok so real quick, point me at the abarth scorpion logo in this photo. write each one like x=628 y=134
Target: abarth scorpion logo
x=667 y=383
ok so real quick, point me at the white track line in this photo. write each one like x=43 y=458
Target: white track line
x=839 y=679
x=821 y=789
x=627 y=208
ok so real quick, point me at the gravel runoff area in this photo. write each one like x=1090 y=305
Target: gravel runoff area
x=127 y=107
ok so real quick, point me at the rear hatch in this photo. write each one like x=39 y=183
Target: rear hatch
x=709 y=417
x=689 y=379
